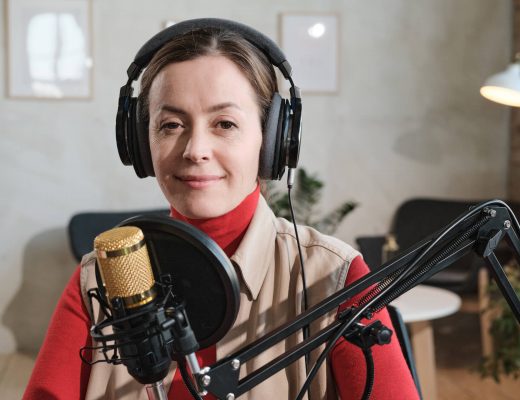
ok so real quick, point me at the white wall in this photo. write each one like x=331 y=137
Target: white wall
x=408 y=121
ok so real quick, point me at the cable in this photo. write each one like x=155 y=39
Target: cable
x=369 y=383
x=304 y=281
x=290 y=180
x=305 y=329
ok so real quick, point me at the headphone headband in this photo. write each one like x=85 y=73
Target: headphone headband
x=259 y=40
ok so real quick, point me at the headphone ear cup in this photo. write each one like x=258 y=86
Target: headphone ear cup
x=122 y=132
x=138 y=143
x=143 y=143
x=295 y=132
x=270 y=153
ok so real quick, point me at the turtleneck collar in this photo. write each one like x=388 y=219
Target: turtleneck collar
x=226 y=230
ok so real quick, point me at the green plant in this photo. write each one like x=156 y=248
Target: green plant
x=305 y=197
x=505 y=332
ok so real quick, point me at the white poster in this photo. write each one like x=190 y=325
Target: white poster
x=49 y=49
x=310 y=43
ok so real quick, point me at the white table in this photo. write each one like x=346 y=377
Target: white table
x=418 y=307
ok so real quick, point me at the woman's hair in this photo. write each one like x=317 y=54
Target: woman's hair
x=202 y=42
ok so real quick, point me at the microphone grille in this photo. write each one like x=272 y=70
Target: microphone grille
x=118 y=238
x=125 y=265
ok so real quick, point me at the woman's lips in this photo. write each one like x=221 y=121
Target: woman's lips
x=199 y=181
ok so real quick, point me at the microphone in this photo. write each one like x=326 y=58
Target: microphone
x=144 y=327
x=152 y=272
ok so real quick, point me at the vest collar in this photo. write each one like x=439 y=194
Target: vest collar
x=256 y=251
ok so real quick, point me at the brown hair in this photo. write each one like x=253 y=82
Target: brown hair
x=252 y=62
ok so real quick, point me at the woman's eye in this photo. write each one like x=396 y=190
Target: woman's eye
x=226 y=125
x=170 y=126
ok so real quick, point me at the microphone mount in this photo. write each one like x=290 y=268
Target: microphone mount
x=481 y=229
x=145 y=341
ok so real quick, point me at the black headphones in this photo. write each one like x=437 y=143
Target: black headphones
x=282 y=130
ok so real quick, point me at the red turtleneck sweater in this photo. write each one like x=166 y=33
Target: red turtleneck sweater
x=60 y=374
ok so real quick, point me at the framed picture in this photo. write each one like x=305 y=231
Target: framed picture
x=310 y=42
x=49 y=49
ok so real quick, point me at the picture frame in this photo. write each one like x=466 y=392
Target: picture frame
x=310 y=42
x=49 y=49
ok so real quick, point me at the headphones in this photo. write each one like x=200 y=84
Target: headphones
x=282 y=129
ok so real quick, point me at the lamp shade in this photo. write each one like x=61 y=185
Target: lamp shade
x=504 y=87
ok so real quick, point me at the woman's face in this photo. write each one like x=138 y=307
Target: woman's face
x=205 y=135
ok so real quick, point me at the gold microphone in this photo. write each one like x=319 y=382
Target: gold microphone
x=144 y=332
x=127 y=274
x=125 y=266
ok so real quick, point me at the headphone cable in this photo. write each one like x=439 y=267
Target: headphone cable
x=305 y=329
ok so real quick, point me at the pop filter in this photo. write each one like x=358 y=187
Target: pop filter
x=202 y=274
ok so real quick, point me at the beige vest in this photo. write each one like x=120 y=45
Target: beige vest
x=268 y=268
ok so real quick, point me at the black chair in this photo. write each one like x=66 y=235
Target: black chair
x=84 y=227
x=418 y=218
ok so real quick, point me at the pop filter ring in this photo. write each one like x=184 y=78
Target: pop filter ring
x=217 y=264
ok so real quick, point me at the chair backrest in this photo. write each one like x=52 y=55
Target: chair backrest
x=417 y=218
x=84 y=227
x=371 y=248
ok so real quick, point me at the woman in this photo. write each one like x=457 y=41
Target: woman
x=205 y=97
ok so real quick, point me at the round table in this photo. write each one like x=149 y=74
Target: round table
x=418 y=307
x=425 y=302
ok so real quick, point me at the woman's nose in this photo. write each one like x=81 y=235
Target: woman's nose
x=197 y=147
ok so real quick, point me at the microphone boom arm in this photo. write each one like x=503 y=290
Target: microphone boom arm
x=481 y=230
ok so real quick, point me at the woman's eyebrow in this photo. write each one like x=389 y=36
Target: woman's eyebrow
x=216 y=107
x=221 y=106
x=173 y=109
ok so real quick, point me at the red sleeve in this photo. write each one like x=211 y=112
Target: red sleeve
x=59 y=372
x=392 y=377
